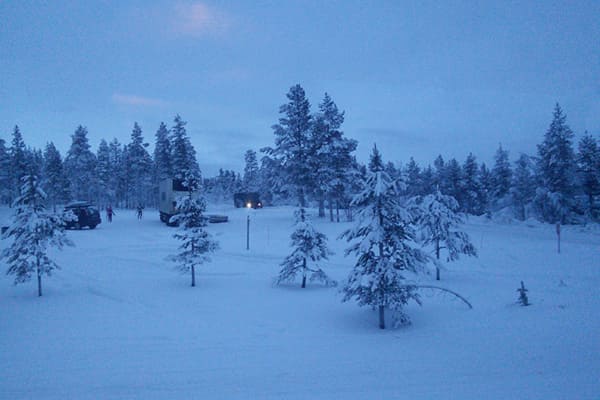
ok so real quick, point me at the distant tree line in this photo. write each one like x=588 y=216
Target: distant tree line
x=313 y=163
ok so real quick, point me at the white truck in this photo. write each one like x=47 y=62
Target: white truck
x=169 y=190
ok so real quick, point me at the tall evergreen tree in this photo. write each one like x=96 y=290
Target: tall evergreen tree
x=55 y=183
x=80 y=166
x=414 y=180
x=5 y=178
x=18 y=162
x=556 y=167
x=453 y=181
x=471 y=189
x=384 y=243
x=103 y=175
x=310 y=247
x=117 y=182
x=162 y=154
x=33 y=231
x=523 y=186
x=588 y=168
x=486 y=183
x=439 y=219
x=139 y=166
x=183 y=155
x=501 y=176
x=330 y=155
x=251 y=172
x=292 y=143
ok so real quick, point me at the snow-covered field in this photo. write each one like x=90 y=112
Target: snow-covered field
x=118 y=322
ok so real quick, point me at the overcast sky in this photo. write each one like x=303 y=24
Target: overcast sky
x=418 y=78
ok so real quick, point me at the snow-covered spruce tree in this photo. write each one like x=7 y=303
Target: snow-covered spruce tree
x=103 y=174
x=80 y=166
x=250 y=181
x=556 y=167
x=501 y=176
x=588 y=168
x=5 y=182
x=18 y=162
x=162 y=154
x=292 y=144
x=523 y=186
x=183 y=155
x=33 y=231
x=196 y=242
x=383 y=240
x=310 y=247
x=139 y=167
x=472 y=203
x=438 y=221
x=55 y=183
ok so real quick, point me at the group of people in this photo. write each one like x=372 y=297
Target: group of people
x=110 y=212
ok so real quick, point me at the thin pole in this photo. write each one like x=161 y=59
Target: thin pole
x=248 y=233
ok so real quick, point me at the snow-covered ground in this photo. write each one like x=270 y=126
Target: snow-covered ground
x=118 y=322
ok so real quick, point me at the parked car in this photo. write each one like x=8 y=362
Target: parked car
x=86 y=213
x=249 y=200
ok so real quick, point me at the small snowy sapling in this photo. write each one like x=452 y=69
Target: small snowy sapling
x=523 y=299
x=33 y=230
x=438 y=220
x=309 y=247
x=196 y=242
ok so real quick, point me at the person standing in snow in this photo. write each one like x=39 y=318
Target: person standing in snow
x=109 y=213
x=139 y=211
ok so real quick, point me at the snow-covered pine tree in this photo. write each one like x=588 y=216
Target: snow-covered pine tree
x=183 y=155
x=162 y=155
x=523 y=186
x=309 y=248
x=33 y=231
x=5 y=181
x=472 y=202
x=250 y=181
x=117 y=182
x=55 y=183
x=103 y=175
x=384 y=243
x=292 y=144
x=330 y=155
x=438 y=221
x=454 y=179
x=80 y=166
x=588 y=168
x=501 y=176
x=196 y=242
x=487 y=187
x=414 y=182
x=139 y=165
x=18 y=162
x=556 y=168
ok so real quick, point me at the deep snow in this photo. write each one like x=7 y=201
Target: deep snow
x=118 y=322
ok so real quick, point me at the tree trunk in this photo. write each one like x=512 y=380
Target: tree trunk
x=437 y=254
x=337 y=211
x=193 y=276
x=321 y=207
x=381 y=318
x=330 y=210
x=303 y=273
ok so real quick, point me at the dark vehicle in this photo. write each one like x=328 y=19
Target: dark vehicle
x=87 y=215
x=248 y=200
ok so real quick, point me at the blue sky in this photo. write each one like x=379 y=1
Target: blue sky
x=419 y=78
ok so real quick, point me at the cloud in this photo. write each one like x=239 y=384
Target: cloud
x=198 y=19
x=133 y=100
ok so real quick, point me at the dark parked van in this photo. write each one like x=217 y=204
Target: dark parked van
x=87 y=215
x=249 y=200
